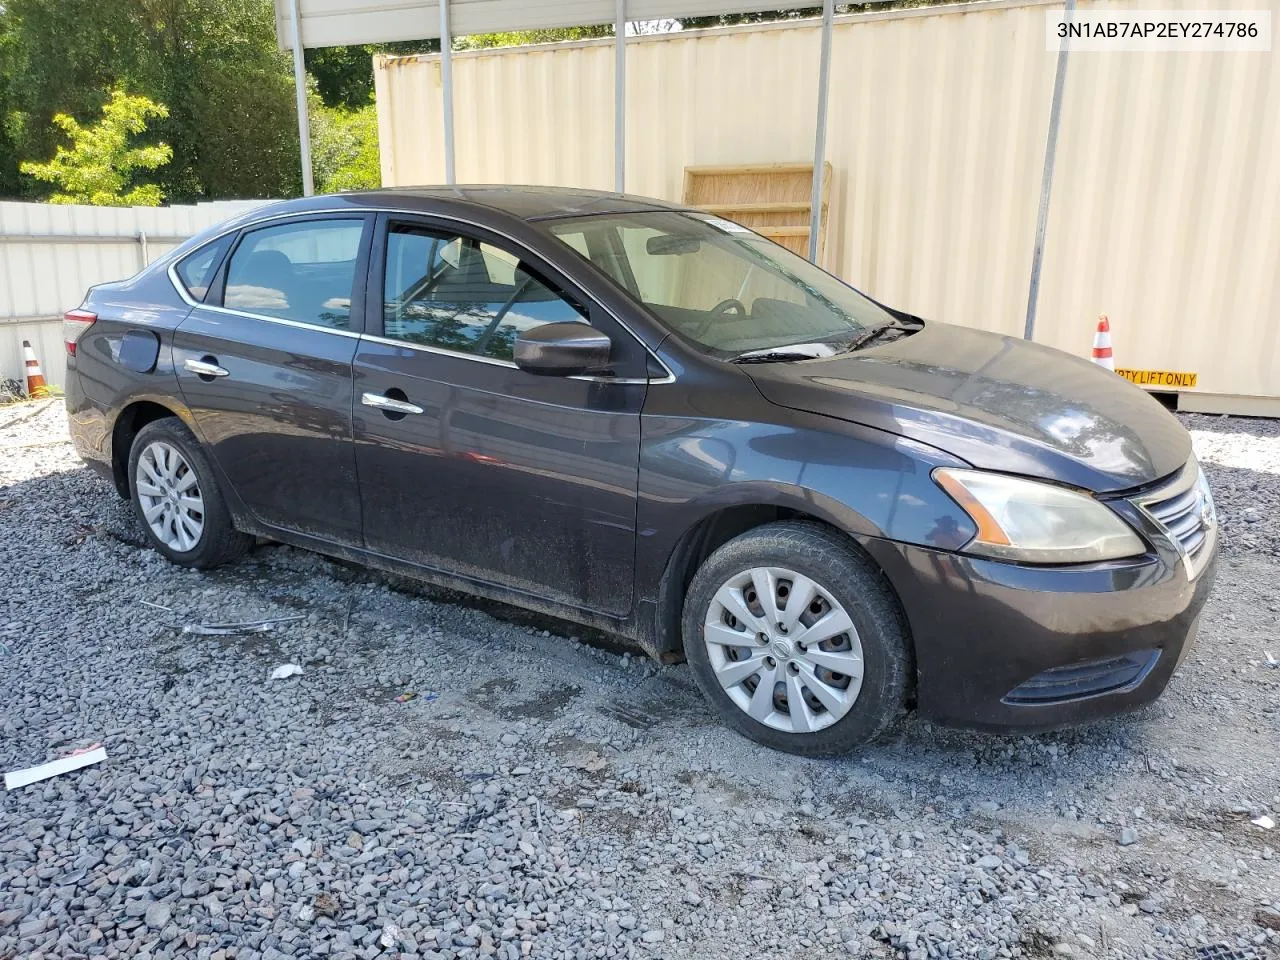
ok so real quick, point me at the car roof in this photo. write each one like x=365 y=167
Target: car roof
x=523 y=202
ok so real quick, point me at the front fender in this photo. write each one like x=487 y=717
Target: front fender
x=864 y=481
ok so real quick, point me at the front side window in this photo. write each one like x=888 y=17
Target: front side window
x=720 y=286
x=301 y=271
x=457 y=293
x=196 y=270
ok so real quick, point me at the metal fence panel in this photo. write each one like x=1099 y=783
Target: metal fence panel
x=1164 y=214
x=50 y=254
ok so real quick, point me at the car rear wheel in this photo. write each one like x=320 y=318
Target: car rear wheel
x=177 y=500
x=797 y=639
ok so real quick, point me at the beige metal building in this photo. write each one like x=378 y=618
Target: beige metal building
x=1165 y=201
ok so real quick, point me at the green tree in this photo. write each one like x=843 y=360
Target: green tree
x=520 y=37
x=763 y=16
x=229 y=86
x=344 y=148
x=100 y=165
x=54 y=58
x=216 y=63
x=344 y=75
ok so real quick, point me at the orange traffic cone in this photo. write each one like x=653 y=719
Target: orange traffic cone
x=36 y=387
x=1102 y=344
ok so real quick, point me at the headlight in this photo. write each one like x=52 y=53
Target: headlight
x=1036 y=522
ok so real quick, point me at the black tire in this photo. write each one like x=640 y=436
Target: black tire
x=219 y=541
x=853 y=580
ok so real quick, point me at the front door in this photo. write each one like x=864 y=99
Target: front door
x=265 y=366
x=477 y=467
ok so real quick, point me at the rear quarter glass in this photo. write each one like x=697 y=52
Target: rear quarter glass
x=196 y=269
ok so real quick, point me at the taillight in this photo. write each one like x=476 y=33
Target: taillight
x=74 y=324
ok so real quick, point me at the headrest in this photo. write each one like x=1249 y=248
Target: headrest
x=265 y=268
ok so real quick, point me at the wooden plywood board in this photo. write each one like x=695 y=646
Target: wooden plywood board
x=774 y=199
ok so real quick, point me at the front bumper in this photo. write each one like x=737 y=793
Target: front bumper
x=999 y=645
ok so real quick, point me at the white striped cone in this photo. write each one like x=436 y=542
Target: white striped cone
x=1102 y=344
x=36 y=387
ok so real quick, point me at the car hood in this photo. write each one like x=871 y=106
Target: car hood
x=998 y=402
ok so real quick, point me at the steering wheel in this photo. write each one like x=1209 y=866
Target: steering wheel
x=721 y=310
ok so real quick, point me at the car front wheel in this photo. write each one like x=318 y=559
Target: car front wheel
x=797 y=639
x=177 y=500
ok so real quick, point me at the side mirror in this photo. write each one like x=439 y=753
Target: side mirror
x=562 y=349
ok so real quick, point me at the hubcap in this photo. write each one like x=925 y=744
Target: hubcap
x=783 y=649
x=169 y=493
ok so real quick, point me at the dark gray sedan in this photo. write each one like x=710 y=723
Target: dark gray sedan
x=654 y=422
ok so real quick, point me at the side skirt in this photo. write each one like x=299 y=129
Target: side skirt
x=628 y=629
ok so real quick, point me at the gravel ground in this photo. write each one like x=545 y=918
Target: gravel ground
x=545 y=798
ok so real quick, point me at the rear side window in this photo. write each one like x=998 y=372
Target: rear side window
x=196 y=270
x=302 y=271
x=456 y=293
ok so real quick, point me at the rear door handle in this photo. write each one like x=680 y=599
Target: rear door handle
x=389 y=404
x=205 y=368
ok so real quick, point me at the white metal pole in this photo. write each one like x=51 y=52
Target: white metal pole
x=1046 y=180
x=620 y=100
x=820 y=135
x=446 y=79
x=300 y=92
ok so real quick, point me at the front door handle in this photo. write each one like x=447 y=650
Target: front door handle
x=205 y=368
x=389 y=404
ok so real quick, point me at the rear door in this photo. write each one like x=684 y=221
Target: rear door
x=265 y=364
x=495 y=474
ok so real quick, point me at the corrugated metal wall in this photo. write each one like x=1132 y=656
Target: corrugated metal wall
x=1164 y=204
x=50 y=254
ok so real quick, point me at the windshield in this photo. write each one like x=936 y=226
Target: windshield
x=720 y=286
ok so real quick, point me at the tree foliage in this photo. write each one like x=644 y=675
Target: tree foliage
x=518 y=38
x=763 y=16
x=101 y=164
x=215 y=63
x=343 y=76
x=344 y=148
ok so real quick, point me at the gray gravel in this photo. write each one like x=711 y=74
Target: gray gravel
x=1243 y=455
x=545 y=798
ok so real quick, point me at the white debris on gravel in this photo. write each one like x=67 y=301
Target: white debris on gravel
x=550 y=799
